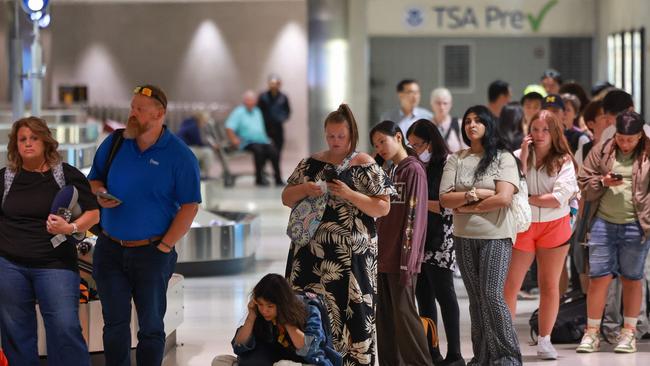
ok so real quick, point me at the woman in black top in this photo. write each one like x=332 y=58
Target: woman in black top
x=436 y=280
x=33 y=266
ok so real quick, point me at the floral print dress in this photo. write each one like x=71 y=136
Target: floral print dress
x=340 y=261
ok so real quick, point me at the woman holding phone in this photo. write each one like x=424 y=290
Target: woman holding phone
x=616 y=179
x=551 y=177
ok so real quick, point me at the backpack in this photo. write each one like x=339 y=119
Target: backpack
x=570 y=323
x=431 y=334
x=310 y=298
x=118 y=139
x=454 y=126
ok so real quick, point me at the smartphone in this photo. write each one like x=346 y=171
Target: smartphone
x=108 y=196
x=616 y=176
x=329 y=174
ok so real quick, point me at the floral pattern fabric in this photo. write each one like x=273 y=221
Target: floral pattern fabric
x=444 y=256
x=340 y=262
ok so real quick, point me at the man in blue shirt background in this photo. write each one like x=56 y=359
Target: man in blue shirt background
x=193 y=131
x=246 y=131
x=155 y=176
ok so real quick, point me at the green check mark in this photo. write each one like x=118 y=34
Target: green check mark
x=536 y=21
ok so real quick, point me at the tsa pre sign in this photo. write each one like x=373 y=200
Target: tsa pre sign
x=480 y=18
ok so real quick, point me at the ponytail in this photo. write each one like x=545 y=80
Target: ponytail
x=341 y=115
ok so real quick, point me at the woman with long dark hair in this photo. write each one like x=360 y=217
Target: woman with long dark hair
x=479 y=183
x=401 y=236
x=436 y=278
x=280 y=326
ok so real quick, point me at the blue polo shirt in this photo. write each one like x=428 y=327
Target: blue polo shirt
x=248 y=126
x=152 y=185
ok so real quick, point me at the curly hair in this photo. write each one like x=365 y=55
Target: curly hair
x=39 y=127
x=276 y=290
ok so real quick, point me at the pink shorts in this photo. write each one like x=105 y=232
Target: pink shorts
x=546 y=235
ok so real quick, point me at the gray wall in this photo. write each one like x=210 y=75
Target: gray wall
x=197 y=52
x=519 y=61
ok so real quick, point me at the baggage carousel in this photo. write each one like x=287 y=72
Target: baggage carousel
x=219 y=242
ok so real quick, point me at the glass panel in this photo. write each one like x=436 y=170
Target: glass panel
x=611 y=64
x=627 y=59
x=637 y=51
x=618 y=60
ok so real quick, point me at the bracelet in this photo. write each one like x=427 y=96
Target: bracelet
x=473 y=197
x=75 y=229
x=170 y=247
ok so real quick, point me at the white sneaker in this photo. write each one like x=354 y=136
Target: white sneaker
x=545 y=349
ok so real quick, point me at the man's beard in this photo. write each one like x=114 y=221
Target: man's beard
x=134 y=128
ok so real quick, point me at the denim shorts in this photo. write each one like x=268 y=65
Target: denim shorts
x=617 y=249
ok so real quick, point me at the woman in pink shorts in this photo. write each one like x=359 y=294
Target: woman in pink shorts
x=550 y=173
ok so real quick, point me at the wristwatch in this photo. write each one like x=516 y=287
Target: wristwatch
x=75 y=229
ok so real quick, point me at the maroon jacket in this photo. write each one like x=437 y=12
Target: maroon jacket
x=402 y=232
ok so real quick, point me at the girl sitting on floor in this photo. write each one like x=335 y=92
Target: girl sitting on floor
x=282 y=325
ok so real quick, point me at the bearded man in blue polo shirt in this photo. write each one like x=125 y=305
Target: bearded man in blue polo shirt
x=153 y=182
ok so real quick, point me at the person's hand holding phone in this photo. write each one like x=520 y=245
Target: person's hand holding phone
x=612 y=180
x=526 y=145
x=107 y=200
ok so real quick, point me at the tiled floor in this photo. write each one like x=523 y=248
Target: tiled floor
x=215 y=305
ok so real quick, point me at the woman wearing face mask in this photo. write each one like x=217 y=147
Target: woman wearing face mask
x=615 y=178
x=436 y=280
x=401 y=247
x=479 y=184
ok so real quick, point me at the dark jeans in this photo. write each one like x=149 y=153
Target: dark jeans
x=57 y=293
x=437 y=284
x=140 y=273
x=262 y=153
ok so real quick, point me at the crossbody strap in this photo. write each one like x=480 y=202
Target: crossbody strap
x=9 y=179
x=57 y=172
x=346 y=162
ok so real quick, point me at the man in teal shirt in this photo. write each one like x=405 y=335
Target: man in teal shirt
x=245 y=129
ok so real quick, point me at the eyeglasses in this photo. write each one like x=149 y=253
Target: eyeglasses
x=419 y=146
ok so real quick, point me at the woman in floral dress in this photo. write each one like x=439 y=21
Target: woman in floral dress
x=340 y=261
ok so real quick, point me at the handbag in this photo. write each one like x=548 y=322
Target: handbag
x=307 y=214
x=520 y=207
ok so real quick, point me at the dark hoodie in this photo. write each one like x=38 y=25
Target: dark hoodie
x=401 y=233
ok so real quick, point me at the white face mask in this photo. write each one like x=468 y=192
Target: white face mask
x=425 y=156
